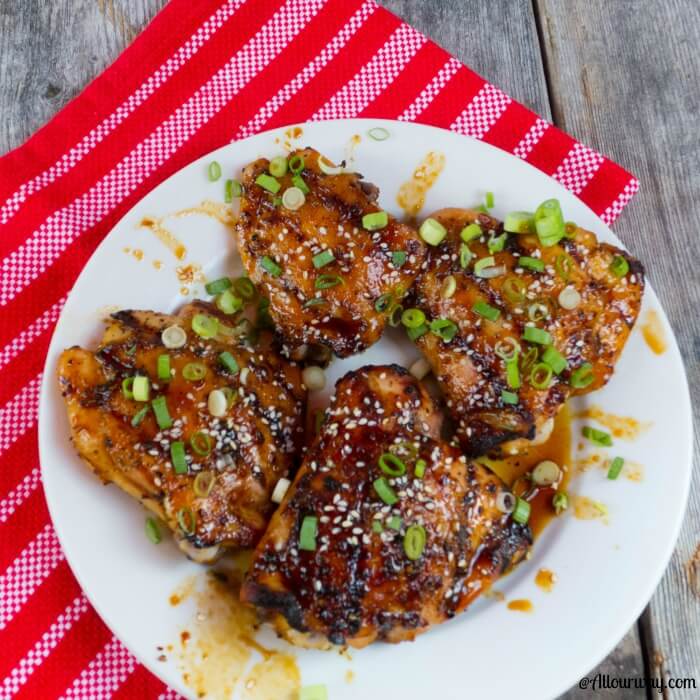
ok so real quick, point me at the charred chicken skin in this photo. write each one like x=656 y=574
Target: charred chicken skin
x=205 y=467
x=513 y=328
x=386 y=529
x=332 y=275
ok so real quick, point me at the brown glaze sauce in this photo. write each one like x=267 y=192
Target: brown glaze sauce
x=521 y=605
x=632 y=471
x=653 y=333
x=155 y=226
x=412 y=193
x=546 y=579
x=558 y=449
x=585 y=508
x=215 y=210
x=622 y=427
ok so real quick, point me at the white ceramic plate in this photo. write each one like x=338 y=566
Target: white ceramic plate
x=606 y=572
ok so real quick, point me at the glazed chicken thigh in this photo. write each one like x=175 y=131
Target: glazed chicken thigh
x=386 y=530
x=332 y=264
x=201 y=437
x=513 y=328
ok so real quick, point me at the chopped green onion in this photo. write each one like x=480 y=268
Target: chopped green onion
x=554 y=359
x=563 y=265
x=598 y=437
x=142 y=388
x=160 y=410
x=465 y=255
x=489 y=312
x=163 y=368
x=415 y=333
x=619 y=266
x=490 y=200
x=278 y=166
x=218 y=286
x=152 y=531
x=177 y=455
x=413 y=318
x=378 y=133
x=414 y=542
x=214 y=171
x=205 y=326
x=375 y=221
x=560 y=502
x=497 y=243
x=394 y=522
x=444 y=328
x=377 y=526
x=229 y=362
x=536 y=335
x=519 y=222
x=507 y=349
x=299 y=182
x=327 y=281
x=513 y=374
x=270 y=266
x=470 y=232
x=582 y=376
x=449 y=287
x=296 y=164
x=315 y=301
x=521 y=513
x=513 y=289
x=395 y=315
x=432 y=231
x=481 y=265
x=307 y=533
x=231 y=191
x=323 y=259
x=194 y=371
x=138 y=417
x=203 y=484
x=201 y=443
x=419 y=469
x=267 y=182
x=549 y=222
x=244 y=288
x=615 y=468
x=128 y=387
x=384 y=491
x=537 y=311
x=383 y=303
x=509 y=397
x=293 y=199
x=314 y=692
x=531 y=263
x=187 y=520
x=541 y=376
x=398 y=258
x=391 y=465
x=228 y=302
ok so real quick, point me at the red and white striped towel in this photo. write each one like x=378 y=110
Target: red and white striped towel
x=202 y=74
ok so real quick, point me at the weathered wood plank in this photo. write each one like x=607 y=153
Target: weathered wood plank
x=49 y=51
x=624 y=79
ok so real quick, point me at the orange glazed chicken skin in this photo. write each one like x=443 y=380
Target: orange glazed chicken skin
x=192 y=422
x=386 y=530
x=512 y=328
x=313 y=239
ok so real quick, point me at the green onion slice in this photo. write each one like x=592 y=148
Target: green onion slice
x=432 y=231
x=205 y=326
x=244 y=288
x=375 y=220
x=228 y=361
x=187 y=520
x=391 y=465
x=296 y=164
x=177 y=455
x=128 y=387
x=519 y=222
x=160 y=410
x=230 y=190
x=394 y=522
x=490 y=200
x=528 y=358
x=214 y=171
x=194 y=371
x=228 y=302
x=489 y=312
x=218 y=286
x=598 y=437
x=521 y=513
x=378 y=133
x=513 y=374
x=513 y=289
x=138 y=417
x=497 y=243
x=531 y=263
x=142 y=388
x=163 y=368
x=415 y=333
x=278 y=166
x=152 y=531
x=327 y=281
x=270 y=266
x=564 y=264
x=419 y=469
x=323 y=258
x=560 y=502
x=552 y=357
x=541 y=376
x=470 y=232
x=200 y=442
x=536 y=335
x=383 y=303
x=395 y=315
x=465 y=255
x=203 y=484
x=619 y=266
x=413 y=318
x=481 y=265
x=414 y=542
x=537 y=311
x=444 y=328
x=507 y=348
x=398 y=258
x=267 y=182
x=307 y=533
x=384 y=491
x=299 y=182
x=508 y=397
x=315 y=301
x=615 y=468
x=582 y=376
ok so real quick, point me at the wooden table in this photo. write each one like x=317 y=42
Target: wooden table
x=620 y=75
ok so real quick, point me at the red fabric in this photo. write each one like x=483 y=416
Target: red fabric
x=203 y=73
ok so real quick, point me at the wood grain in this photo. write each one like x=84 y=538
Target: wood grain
x=625 y=81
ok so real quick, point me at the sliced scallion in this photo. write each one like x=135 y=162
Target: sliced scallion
x=177 y=456
x=615 y=468
x=194 y=371
x=497 y=243
x=375 y=220
x=619 y=266
x=203 y=484
x=142 y=388
x=323 y=258
x=384 y=491
x=152 y=531
x=444 y=328
x=205 y=326
x=139 y=416
x=160 y=411
x=536 y=335
x=378 y=133
x=513 y=374
x=218 y=286
x=267 y=182
x=398 y=258
x=200 y=442
x=278 y=166
x=296 y=164
x=414 y=542
x=541 y=376
x=419 y=469
x=327 y=281
x=432 y=231
x=521 y=513
x=508 y=397
x=214 y=171
x=598 y=437
x=415 y=333
x=270 y=266
x=491 y=313
x=228 y=361
x=307 y=533
x=228 y=303
x=163 y=368
x=552 y=357
x=470 y=232
x=531 y=263
x=519 y=222
x=582 y=376
x=187 y=520
x=299 y=182
x=392 y=465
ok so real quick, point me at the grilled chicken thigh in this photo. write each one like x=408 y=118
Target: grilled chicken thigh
x=386 y=530
x=524 y=331
x=208 y=477
x=330 y=280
